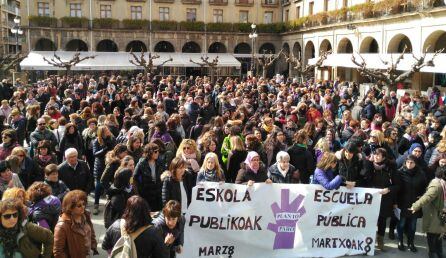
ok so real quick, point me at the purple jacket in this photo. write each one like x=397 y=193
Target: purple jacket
x=165 y=137
x=327 y=179
x=45 y=212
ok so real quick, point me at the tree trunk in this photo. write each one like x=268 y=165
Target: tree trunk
x=265 y=70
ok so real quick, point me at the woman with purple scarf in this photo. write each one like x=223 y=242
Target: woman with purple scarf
x=252 y=171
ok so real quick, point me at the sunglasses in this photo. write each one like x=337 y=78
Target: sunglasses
x=11 y=215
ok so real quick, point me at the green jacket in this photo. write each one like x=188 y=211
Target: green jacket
x=432 y=204
x=31 y=238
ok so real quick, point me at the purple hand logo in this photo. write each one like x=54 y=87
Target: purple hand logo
x=286 y=218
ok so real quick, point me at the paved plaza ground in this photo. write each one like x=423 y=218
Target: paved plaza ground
x=392 y=250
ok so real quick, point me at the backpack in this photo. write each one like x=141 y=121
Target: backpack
x=125 y=247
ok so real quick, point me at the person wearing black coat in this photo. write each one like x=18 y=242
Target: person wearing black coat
x=72 y=139
x=282 y=171
x=75 y=173
x=412 y=187
x=171 y=224
x=302 y=158
x=175 y=181
x=147 y=177
x=117 y=196
x=235 y=158
x=252 y=171
x=101 y=145
x=350 y=164
x=381 y=173
x=29 y=171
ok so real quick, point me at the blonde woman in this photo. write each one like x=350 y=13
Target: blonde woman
x=188 y=150
x=210 y=170
x=375 y=141
x=322 y=146
x=236 y=156
x=438 y=153
x=28 y=170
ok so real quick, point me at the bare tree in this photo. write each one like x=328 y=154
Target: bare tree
x=10 y=61
x=390 y=76
x=305 y=71
x=266 y=60
x=206 y=63
x=146 y=62
x=57 y=61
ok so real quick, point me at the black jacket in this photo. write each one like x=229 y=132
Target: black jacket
x=177 y=231
x=235 y=158
x=412 y=187
x=109 y=173
x=149 y=244
x=116 y=202
x=76 y=179
x=99 y=152
x=172 y=189
x=30 y=173
x=73 y=141
x=149 y=188
x=58 y=189
x=245 y=174
x=277 y=177
x=350 y=169
x=302 y=159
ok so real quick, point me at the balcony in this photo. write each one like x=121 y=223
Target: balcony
x=244 y=2
x=11 y=8
x=191 y=1
x=270 y=3
x=218 y=2
x=164 y=1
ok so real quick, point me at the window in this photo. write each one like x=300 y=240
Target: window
x=105 y=11
x=298 y=12
x=164 y=13
x=191 y=14
x=268 y=18
x=311 y=8
x=136 y=12
x=76 y=10
x=287 y=15
x=325 y=5
x=244 y=16
x=43 y=9
x=218 y=15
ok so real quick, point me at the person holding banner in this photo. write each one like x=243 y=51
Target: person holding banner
x=324 y=175
x=381 y=173
x=210 y=170
x=282 y=171
x=252 y=171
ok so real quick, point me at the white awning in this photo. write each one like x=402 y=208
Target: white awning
x=375 y=61
x=120 y=60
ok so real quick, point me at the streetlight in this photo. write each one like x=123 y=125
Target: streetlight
x=17 y=31
x=253 y=35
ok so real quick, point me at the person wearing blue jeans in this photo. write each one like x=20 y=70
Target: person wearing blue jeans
x=412 y=186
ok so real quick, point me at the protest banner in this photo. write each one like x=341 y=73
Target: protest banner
x=280 y=220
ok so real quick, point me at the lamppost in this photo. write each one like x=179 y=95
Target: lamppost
x=17 y=31
x=253 y=35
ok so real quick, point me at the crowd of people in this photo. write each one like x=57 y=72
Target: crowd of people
x=145 y=142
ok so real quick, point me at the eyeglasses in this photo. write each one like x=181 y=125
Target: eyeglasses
x=11 y=215
x=186 y=148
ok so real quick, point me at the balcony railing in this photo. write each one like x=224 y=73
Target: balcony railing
x=164 y=1
x=244 y=2
x=270 y=3
x=218 y=2
x=191 y=1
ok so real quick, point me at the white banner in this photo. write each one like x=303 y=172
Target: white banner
x=280 y=220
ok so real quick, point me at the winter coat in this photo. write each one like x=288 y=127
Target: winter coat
x=45 y=212
x=432 y=203
x=76 y=179
x=384 y=178
x=69 y=241
x=149 y=244
x=327 y=179
x=109 y=173
x=177 y=231
x=58 y=189
x=350 y=169
x=38 y=136
x=235 y=158
x=99 y=152
x=172 y=189
x=31 y=237
x=368 y=111
x=42 y=164
x=302 y=159
x=412 y=187
x=5 y=151
x=149 y=188
x=29 y=172
x=118 y=200
x=277 y=177
x=245 y=174
x=20 y=127
x=73 y=141
x=346 y=134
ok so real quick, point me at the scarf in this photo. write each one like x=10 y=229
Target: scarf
x=268 y=128
x=192 y=159
x=8 y=239
x=283 y=172
x=248 y=159
x=379 y=166
x=45 y=159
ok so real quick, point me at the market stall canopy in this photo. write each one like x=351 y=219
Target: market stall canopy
x=120 y=60
x=375 y=61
